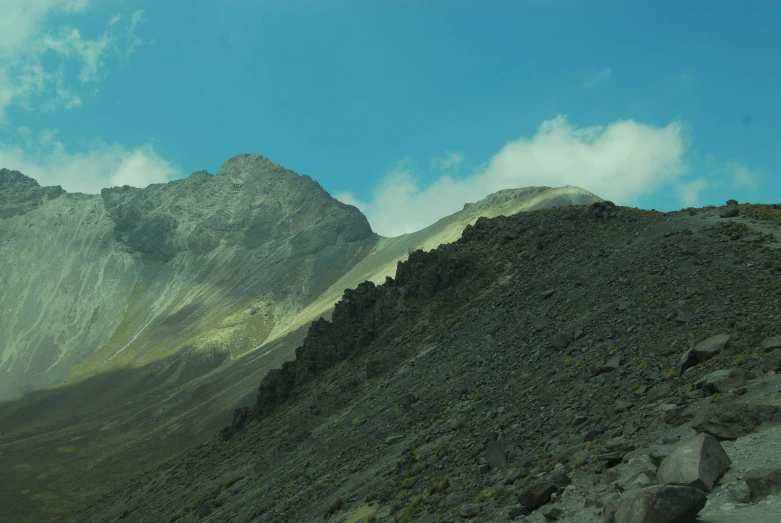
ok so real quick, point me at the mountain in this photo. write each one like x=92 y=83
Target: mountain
x=133 y=322
x=207 y=264
x=585 y=364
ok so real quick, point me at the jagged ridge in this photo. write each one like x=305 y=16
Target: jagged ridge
x=20 y=194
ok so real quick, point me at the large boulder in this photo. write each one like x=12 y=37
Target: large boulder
x=697 y=462
x=661 y=504
x=537 y=494
x=764 y=481
x=710 y=347
x=724 y=380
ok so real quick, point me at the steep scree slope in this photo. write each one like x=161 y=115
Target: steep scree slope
x=553 y=341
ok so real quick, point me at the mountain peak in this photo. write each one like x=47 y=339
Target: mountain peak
x=20 y=194
x=244 y=167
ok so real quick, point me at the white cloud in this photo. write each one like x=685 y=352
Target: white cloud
x=47 y=160
x=598 y=78
x=26 y=41
x=451 y=160
x=619 y=162
x=741 y=175
x=689 y=192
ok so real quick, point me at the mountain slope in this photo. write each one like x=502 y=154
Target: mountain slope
x=157 y=311
x=207 y=264
x=546 y=352
x=383 y=259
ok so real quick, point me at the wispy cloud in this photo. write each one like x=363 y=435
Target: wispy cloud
x=618 y=162
x=46 y=159
x=597 y=78
x=741 y=175
x=451 y=160
x=690 y=192
x=37 y=60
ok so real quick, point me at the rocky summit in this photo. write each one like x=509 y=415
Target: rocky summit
x=587 y=363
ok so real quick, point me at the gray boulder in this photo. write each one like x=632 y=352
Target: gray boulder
x=764 y=481
x=661 y=504
x=697 y=462
x=710 y=347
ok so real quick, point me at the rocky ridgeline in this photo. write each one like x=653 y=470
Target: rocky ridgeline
x=584 y=364
x=251 y=202
x=20 y=194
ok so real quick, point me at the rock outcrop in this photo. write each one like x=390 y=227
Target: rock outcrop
x=20 y=194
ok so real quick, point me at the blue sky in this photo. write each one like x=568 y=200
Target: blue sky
x=407 y=109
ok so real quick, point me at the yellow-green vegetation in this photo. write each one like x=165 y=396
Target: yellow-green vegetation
x=669 y=374
x=740 y=359
x=334 y=507
x=716 y=398
x=600 y=417
x=490 y=493
x=438 y=487
x=735 y=230
x=761 y=211
x=642 y=365
x=408 y=483
x=410 y=511
x=441 y=452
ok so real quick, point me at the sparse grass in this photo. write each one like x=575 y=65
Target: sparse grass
x=761 y=212
x=436 y=488
x=579 y=461
x=740 y=359
x=716 y=398
x=408 y=483
x=490 y=493
x=410 y=511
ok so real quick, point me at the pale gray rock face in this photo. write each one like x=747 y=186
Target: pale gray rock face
x=697 y=462
x=91 y=281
